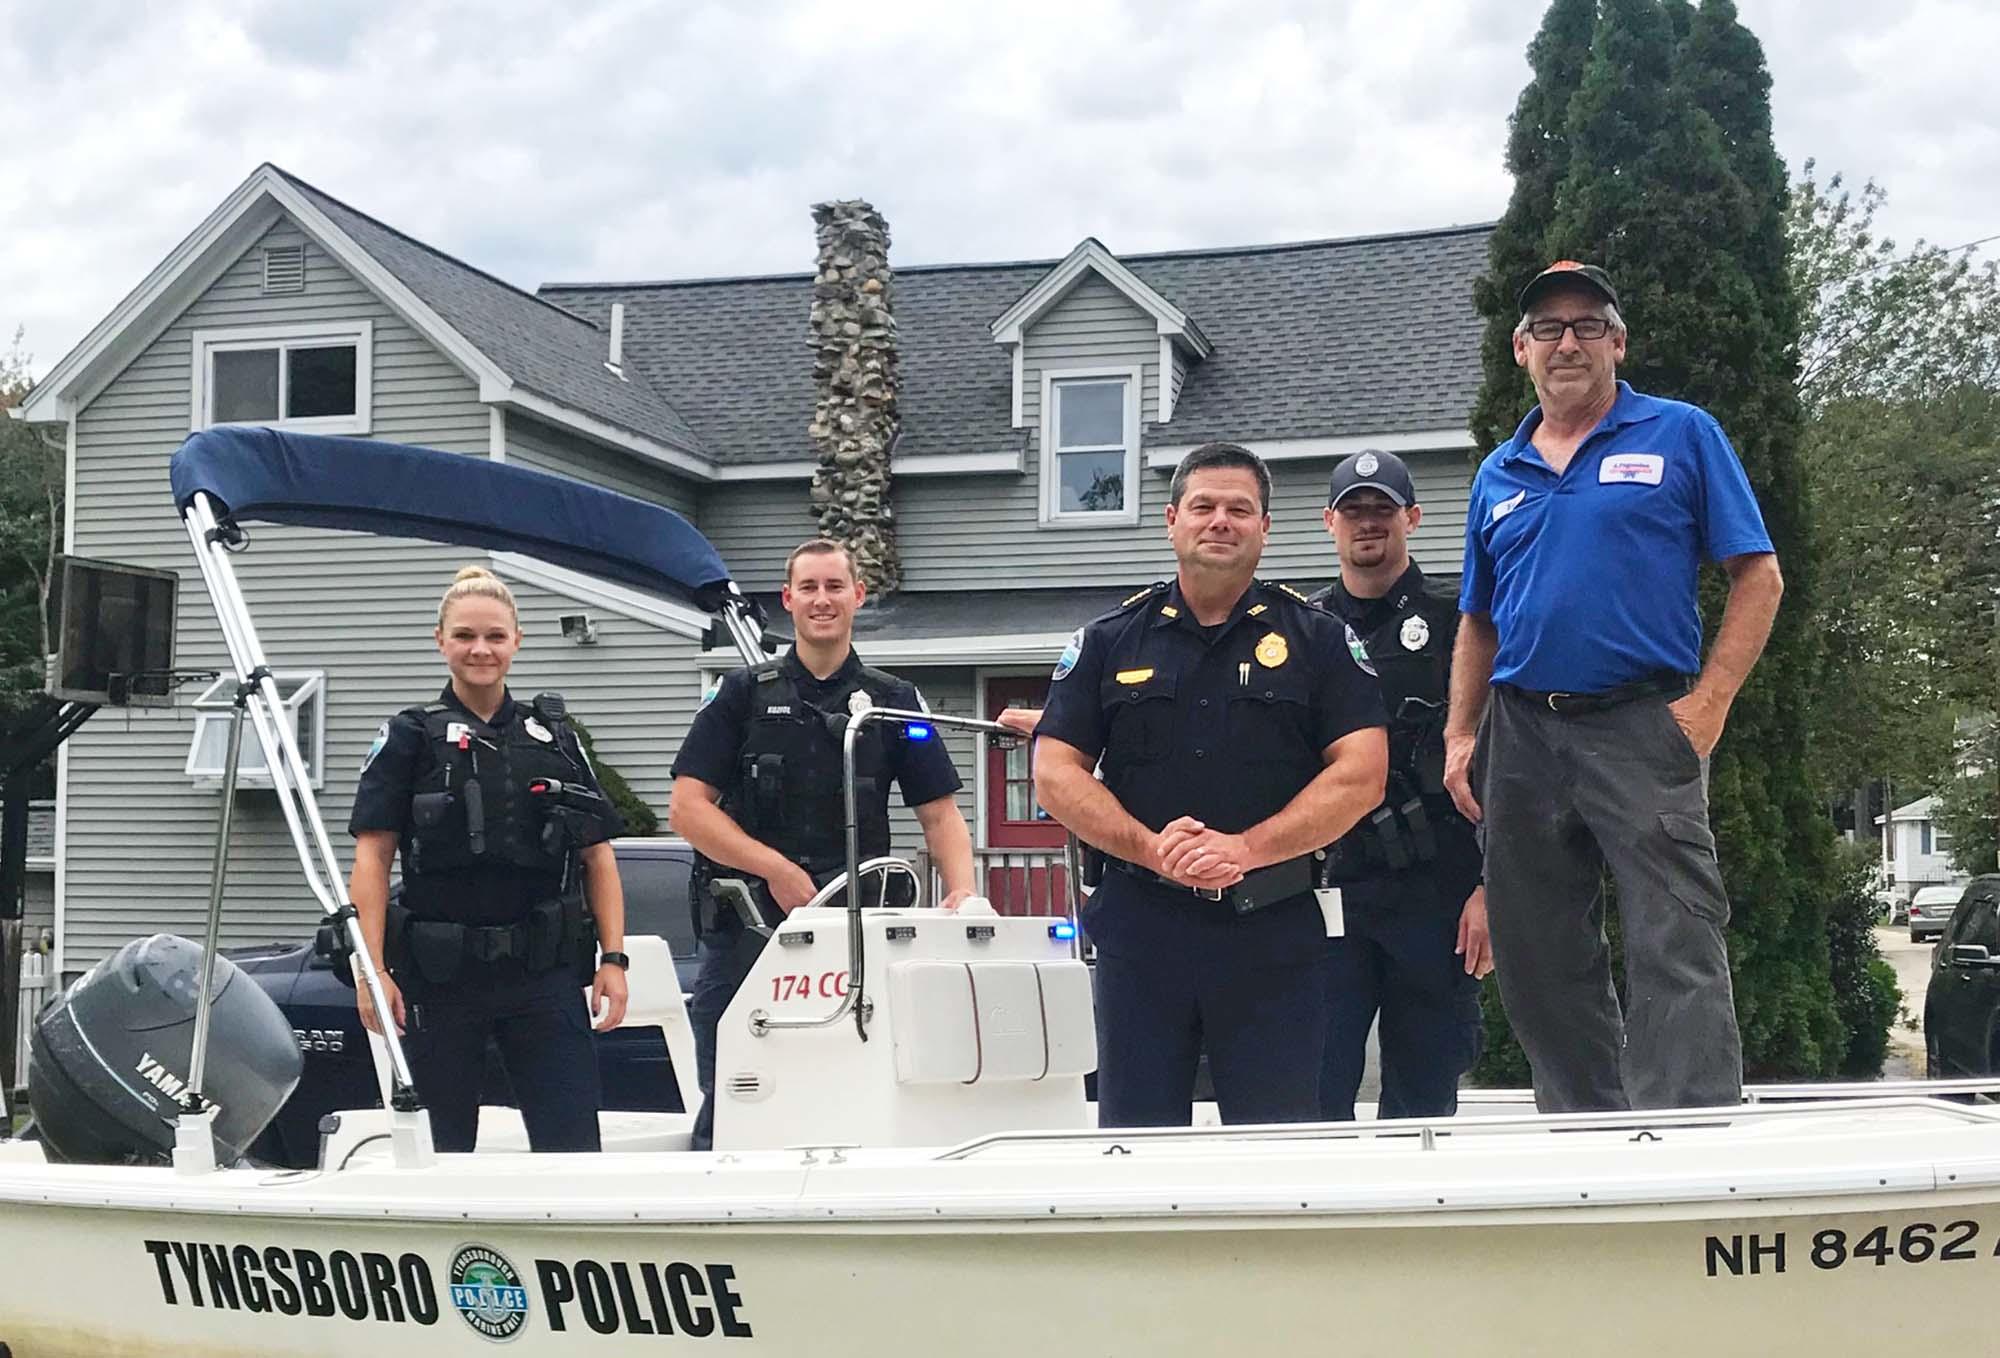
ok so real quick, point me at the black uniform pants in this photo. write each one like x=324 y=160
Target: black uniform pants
x=542 y=1029
x=1397 y=965
x=1565 y=798
x=1175 y=973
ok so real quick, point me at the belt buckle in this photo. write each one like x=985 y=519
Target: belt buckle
x=1210 y=893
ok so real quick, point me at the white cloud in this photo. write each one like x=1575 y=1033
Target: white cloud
x=630 y=140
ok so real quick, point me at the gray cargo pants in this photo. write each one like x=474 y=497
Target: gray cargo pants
x=1564 y=798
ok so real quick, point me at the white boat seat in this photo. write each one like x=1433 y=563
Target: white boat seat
x=984 y=1022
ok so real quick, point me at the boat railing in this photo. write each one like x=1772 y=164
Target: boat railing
x=1427 y=1131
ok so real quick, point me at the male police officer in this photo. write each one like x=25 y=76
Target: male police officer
x=1238 y=733
x=757 y=785
x=1583 y=540
x=1414 y=944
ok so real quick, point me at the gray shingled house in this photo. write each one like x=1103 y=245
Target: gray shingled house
x=288 y=307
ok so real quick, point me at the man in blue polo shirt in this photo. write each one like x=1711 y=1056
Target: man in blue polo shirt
x=1583 y=538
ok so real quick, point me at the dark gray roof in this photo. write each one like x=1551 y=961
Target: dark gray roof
x=1370 y=335
x=543 y=347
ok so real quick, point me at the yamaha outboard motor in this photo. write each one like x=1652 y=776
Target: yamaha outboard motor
x=109 y=1057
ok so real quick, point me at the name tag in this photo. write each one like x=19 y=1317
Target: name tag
x=1508 y=505
x=1636 y=469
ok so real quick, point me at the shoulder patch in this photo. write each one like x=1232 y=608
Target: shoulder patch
x=708 y=694
x=1359 y=650
x=1071 y=654
x=375 y=746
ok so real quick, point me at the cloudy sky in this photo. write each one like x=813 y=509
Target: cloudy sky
x=629 y=140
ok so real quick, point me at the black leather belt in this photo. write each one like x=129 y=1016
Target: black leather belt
x=1265 y=886
x=1573 y=704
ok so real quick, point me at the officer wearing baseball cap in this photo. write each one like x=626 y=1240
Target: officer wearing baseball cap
x=1414 y=944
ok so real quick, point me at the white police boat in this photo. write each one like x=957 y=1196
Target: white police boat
x=905 y=1162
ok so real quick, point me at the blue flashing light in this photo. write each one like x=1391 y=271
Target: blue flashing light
x=1063 y=930
x=917 y=730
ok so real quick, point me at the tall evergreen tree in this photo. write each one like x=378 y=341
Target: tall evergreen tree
x=1673 y=184
x=1538 y=158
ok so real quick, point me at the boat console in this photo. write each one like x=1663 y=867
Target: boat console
x=971 y=1023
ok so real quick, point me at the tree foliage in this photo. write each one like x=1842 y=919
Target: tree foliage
x=31 y=489
x=1902 y=454
x=1673 y=184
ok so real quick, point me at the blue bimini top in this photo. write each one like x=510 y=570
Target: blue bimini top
x=395 y=490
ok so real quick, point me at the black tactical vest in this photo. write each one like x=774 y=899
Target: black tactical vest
x=1410 y=649
x=471 y=805
x=788 y=789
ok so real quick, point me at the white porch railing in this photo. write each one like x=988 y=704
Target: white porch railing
x=34 y=989
x=1017 y=881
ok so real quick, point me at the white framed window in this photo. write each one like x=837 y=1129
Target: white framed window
x=304 y=695
x=1090 y=446
x=314 y=378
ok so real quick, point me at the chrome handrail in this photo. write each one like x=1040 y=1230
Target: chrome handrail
x=761 y=1022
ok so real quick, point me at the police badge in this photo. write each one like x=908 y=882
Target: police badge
x=1415 y=632
x=858 y=702
x=536 y=729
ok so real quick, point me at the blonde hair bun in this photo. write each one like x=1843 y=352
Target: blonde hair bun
x=477 y=582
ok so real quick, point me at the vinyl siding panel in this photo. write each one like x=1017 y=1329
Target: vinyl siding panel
x=955 y=530
x=531 y=443
x=38 y=911
x=755 y=525
x=140 y=835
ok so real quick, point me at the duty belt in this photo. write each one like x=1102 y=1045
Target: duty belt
x=1265 y=886
x=1575 y=704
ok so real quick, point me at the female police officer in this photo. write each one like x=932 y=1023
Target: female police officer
x=502 y=828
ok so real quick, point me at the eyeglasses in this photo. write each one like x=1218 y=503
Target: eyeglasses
x=1586 y=328
x=1367 y=509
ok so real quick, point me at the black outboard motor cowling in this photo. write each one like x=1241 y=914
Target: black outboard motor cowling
x=109 y=1057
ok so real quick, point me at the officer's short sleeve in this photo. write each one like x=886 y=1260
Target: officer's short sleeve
x=388 y=772
x=1075 y=714
x=715 y=736
x=924 y=770
x=1475 y=591
x=1346 y=697
x=1731 y=523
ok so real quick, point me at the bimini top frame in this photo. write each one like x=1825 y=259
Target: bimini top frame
x=223 y=478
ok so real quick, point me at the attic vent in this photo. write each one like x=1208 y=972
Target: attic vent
x=285 y=268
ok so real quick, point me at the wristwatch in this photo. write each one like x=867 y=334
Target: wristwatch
x=614 y=959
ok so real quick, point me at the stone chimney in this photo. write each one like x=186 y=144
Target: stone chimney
x=855 y=414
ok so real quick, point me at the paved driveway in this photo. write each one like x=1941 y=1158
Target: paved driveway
x=1912 y=962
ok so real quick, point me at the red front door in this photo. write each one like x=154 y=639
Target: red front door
x=1030 y=879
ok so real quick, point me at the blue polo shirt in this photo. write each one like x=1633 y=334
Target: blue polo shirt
x=1589 y=576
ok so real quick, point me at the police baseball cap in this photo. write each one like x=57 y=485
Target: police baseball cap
x=1567 y=271
x=1372 y=470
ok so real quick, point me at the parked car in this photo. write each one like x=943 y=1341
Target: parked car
x=1930 y=910
x=317 y=995
x=1962 y=1007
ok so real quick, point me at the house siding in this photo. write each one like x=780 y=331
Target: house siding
x=966 y=532
x=755 y=525
x=139 y=836
x=531 y=443
x=38 y=910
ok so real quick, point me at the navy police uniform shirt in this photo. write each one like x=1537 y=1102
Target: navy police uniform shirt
x=1589 y=576
x=500 y=894
x=713 y=749
x=1223 y=723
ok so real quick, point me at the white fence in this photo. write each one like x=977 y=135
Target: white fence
x=34 y=989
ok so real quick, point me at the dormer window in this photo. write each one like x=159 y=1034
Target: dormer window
x=1090 y=447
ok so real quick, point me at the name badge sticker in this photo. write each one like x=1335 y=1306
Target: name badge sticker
x=1631 y=469
x=1508 y=505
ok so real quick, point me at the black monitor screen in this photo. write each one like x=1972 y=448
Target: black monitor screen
x=113 y=629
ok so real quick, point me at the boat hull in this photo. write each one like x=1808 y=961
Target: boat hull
x=1827 y=1277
